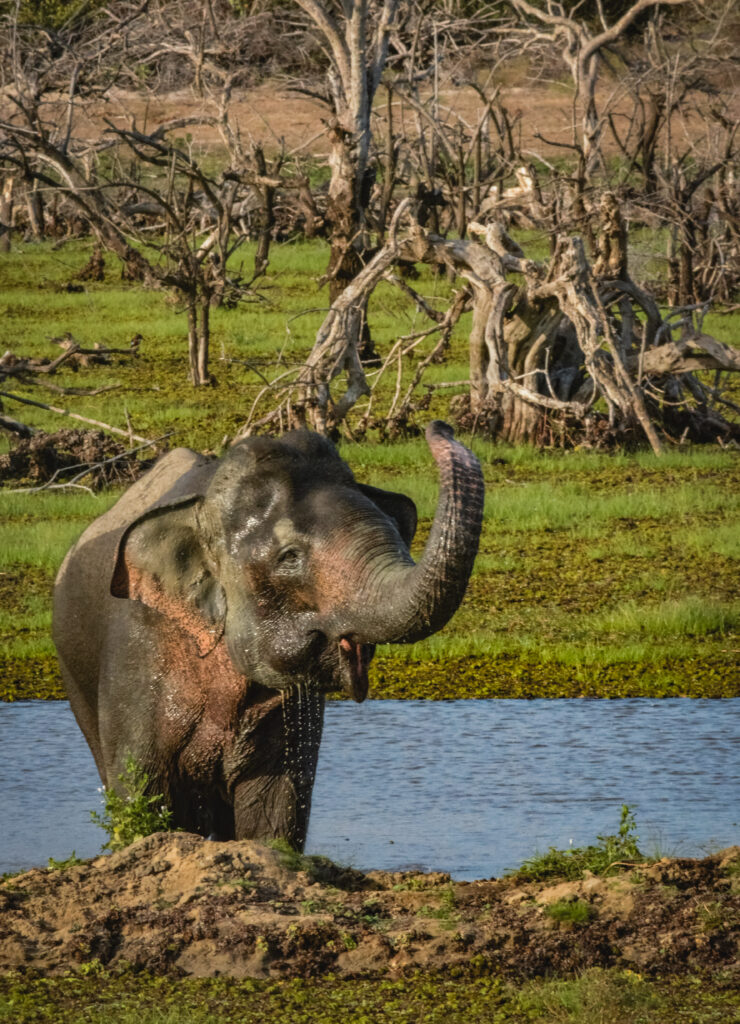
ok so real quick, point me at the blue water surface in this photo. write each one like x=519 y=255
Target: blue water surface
x=472 y=787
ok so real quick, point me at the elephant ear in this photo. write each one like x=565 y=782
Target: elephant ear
x=162 y=563
x=398 y=507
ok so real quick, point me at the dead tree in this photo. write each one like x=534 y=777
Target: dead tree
x=559 y=351
x=149 y=219
x=582 y=51
x=356 y=36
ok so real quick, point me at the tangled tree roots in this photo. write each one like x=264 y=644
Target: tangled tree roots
x=84 y=457
x=562 y=352
x=553 y=429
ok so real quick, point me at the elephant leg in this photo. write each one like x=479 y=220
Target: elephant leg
x=272 y=808
x=200 y=810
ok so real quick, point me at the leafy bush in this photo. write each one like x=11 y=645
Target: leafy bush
x=598 y=859
x=131 y=814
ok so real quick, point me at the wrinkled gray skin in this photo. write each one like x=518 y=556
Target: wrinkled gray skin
x=201 y=620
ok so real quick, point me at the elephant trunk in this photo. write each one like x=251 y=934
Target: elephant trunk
x=401 y=602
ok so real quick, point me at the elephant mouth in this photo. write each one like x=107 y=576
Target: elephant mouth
x=354 y=660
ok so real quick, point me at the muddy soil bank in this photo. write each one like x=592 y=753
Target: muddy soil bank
x=179 y=905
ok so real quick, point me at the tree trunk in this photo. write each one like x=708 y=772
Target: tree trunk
x=520 y=422
x=342 y=215
x=204 y=337
x=35 y=207
x=193 y=339
x=389 y=168
x=267 y=215
x=6 y=215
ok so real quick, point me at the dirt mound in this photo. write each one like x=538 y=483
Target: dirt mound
x=87 y=456
x=178 y=904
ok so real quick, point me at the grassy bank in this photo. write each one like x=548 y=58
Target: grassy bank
x=597 y=575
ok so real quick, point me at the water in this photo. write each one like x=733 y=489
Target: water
x=469 y=787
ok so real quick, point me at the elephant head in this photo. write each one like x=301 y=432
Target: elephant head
x=297 y=567
x=200 y=621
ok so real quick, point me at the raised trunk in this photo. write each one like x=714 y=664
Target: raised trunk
x=403 y=603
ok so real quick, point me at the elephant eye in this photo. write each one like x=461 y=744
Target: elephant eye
x=289 y=559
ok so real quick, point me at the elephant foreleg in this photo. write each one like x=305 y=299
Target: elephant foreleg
x=272 y=799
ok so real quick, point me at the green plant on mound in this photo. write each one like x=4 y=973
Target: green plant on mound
x=599 y=859
x=571 y=912
x=132 y=813
x=61 y=865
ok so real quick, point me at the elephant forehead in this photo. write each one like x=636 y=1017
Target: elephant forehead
x=284 y=531
x=249 y=508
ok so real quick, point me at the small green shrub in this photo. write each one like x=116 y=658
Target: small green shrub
x=446 y=911
x=599 y=859
x=317 y=867
x=291 y=858
x=132 y=813
x=62 y=865
x=569 y=911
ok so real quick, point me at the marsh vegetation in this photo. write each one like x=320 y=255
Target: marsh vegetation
x=599 y=573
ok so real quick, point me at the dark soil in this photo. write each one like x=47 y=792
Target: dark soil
x=176 y=904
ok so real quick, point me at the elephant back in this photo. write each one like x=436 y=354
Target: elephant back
x=83 y=605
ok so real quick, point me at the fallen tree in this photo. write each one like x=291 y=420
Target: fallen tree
x=561 y=351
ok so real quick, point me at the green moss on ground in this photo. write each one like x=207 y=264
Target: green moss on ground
x=511 y=676
x=611 y=997
x=32 y=678
x=507 y=676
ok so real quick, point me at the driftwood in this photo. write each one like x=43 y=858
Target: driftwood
x=552 y=343
x=74 y=355
x=75 y=416
x=16 y=427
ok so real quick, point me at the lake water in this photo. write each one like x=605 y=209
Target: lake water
x=470 y=787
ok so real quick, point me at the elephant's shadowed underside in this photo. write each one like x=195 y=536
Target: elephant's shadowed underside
x=178 y=904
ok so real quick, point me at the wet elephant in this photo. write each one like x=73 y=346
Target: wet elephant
x=200 y=621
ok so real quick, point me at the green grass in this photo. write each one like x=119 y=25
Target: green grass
x=597 y=573
x=612 y=568
x=570 y=912
x=279 y=321
x=603 y=996
x=597 y=858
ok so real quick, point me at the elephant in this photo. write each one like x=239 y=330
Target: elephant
x=202 y=619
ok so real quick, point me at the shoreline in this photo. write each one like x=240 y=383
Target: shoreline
x=178 y=905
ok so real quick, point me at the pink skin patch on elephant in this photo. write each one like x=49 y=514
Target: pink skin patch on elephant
x=142 y=586
x=201 y=704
